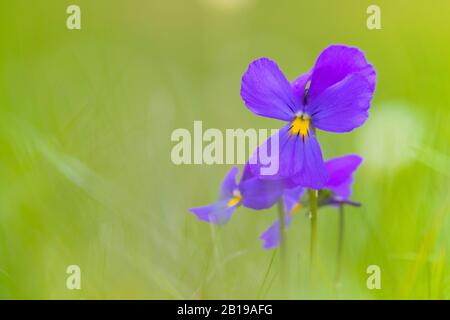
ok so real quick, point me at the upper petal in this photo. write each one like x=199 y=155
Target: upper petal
x=299 y=87
x=229 y=183
x=266 y=91
x=341 y=171
x=217 y=213
x=343 y=106
x=336 y=63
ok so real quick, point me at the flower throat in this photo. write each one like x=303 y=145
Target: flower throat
x=300 y=125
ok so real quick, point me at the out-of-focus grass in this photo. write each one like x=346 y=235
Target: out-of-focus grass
x=85 y=170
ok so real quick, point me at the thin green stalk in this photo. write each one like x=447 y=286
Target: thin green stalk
x=313 y=218
x=266 y=275
x=340 y=244
x=281 y=219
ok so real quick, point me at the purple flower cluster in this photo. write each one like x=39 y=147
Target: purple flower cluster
x=335 y=96
x=336 y=191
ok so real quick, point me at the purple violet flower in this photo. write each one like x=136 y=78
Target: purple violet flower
x=251 y=192
x=340 y=171
x=341 y=87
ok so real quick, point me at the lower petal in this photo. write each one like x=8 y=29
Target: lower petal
x=271 y=237
x=290 y=156
x=277 y=157
x=260 y=194
x=312 y=173
x=216 y=213
x=291 y=198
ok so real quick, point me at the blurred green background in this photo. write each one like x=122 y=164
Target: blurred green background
x=86 y=176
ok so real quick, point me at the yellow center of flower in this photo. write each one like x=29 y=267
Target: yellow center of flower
x=300 y=125
x=296 y=208
x=236 y=198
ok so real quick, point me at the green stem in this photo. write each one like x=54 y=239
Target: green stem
x=282 y=225
x=340 y=244
x=269 y=268
x=313 y=217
